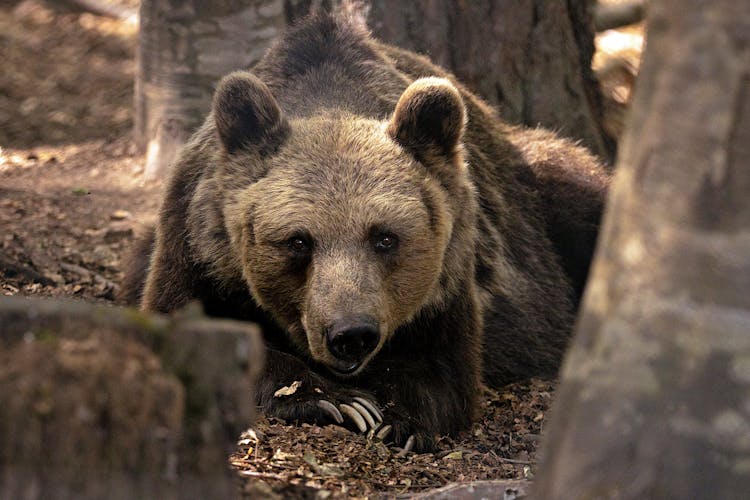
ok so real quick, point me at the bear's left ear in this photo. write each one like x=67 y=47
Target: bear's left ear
x=429 y=117
x=247 y=115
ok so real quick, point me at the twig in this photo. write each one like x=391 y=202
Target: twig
x=510 y=460
x=80 y=271
x=264 y=475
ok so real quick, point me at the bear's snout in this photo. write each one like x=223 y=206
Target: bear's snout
x=350 y=339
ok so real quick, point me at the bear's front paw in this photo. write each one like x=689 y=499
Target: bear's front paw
x=322 y=404
x=405 y=435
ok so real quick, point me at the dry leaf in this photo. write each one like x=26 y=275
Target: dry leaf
x=288 y=390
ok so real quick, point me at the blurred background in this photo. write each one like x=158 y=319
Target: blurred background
x=69 y=67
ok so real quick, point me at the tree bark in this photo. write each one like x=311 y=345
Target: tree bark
x=184 y=49
x=655 y=393
x=107 y=402
x=530 y=58
x=609 y=16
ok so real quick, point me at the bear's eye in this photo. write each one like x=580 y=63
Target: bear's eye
x=300 y=245
x=385 y=242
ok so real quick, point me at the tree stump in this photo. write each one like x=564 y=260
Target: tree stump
x=108 y=402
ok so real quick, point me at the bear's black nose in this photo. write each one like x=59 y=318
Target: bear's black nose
x=350 y=339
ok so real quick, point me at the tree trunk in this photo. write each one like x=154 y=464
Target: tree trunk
x=609 y=16
x=655 y=393
x=107 y=402
x=184 y=49
x=530 y=58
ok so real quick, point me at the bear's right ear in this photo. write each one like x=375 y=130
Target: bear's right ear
x=247 y=115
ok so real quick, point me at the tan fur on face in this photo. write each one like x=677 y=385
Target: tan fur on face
x=335 y=179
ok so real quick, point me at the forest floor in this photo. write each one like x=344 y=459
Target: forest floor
x=72 y=201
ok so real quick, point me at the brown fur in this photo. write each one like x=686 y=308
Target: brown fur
x=275 y=210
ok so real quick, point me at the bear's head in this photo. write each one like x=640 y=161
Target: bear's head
x=346 y=228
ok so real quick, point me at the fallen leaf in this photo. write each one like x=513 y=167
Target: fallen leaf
x=527 y=472
x=120 y=215
x=288 y=390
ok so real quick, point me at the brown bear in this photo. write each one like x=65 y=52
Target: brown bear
x=396 y=240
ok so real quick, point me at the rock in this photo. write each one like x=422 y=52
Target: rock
x=118 y=230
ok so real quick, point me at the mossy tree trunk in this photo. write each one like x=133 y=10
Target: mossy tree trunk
x=655 y=393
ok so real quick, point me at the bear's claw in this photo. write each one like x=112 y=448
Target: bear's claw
x=353 y=414
x=331 y=410
x=366 y=414
x=371 y=407
x=407 y=447
x=363 y=412
x=384 y=432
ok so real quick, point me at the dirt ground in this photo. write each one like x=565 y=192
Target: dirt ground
x=71 y=202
